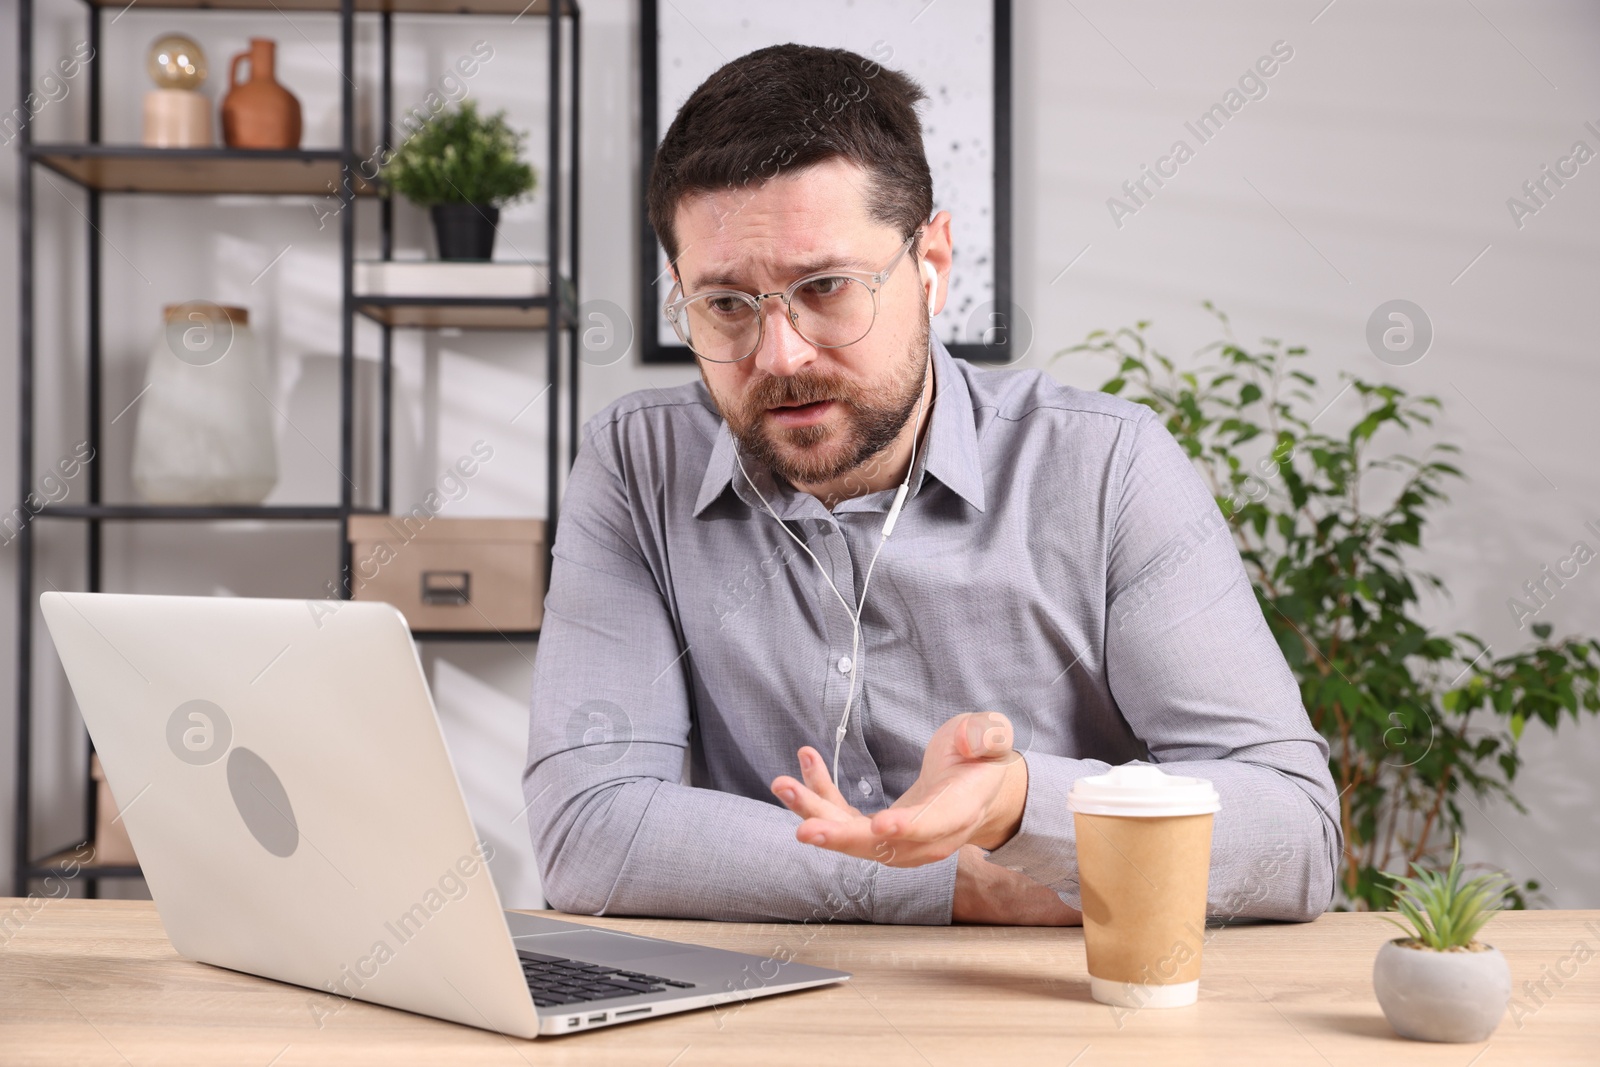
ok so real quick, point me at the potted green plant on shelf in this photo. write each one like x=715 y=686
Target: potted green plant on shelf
x=1421 y=725
x=1439 y=982
x=464 y=167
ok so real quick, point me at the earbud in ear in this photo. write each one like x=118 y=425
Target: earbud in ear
x=932 y=275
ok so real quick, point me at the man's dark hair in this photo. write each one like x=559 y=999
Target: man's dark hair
x=778 y=110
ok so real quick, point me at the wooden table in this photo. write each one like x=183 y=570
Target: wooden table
x=96 y=982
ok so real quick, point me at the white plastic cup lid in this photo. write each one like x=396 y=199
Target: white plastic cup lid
x=1142 y=789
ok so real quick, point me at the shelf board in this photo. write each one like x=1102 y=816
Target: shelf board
x=116 y=168
x=59 y=863
x=463 y=312
x=199 y=512
x=404 y=7
x=475 y=635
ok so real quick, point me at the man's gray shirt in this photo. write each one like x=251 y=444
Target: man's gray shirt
x=1059 y=559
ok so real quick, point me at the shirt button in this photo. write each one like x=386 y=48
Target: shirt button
x=865 y=787
x=844 y=664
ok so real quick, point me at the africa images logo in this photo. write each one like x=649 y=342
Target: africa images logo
x=199 y=733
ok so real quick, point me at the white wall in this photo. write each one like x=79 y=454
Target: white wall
x=1377 y=167
x=1384 y=152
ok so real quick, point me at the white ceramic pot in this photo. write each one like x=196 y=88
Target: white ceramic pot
x=205 y=433
x=1441 y=996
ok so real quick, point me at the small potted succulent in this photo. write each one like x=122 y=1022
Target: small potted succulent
x=1439 y=983
x=463 y=167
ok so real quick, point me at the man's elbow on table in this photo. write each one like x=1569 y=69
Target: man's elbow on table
x=1291 y=895
x=1295 y=891
x=1317 y=897
x=573 y=874
x=569 y=884
x=564 y=895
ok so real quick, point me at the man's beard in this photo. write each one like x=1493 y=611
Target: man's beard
x=872 y=419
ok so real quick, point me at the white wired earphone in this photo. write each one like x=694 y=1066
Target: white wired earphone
x=932 y=275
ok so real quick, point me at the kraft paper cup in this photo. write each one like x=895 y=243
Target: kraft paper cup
x=1144 y=855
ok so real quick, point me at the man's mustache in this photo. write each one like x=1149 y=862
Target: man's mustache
x=790 y=393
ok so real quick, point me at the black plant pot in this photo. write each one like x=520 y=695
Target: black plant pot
x=465 y=231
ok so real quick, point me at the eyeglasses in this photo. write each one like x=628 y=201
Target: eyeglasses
x=829 y=309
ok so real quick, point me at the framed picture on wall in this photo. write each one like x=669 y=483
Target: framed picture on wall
x=959 y=51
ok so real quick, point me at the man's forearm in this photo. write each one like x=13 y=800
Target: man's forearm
x=1273 y=851
x=643 y=846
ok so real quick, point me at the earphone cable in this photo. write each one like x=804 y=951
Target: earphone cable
x=855 y=615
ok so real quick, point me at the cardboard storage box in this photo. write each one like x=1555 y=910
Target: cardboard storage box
x=452 y=574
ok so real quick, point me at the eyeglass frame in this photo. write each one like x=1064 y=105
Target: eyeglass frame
x=873 y=280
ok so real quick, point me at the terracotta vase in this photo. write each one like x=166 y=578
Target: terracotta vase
x=259 y=113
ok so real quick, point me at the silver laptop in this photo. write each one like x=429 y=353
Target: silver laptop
x=283 y=778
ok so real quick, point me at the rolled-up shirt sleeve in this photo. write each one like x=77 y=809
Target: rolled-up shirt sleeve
x=1198 y=676
x=615 y=829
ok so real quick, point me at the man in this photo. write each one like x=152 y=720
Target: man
x=1059 y=593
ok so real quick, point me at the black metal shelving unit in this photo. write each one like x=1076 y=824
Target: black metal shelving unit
x=102 y=169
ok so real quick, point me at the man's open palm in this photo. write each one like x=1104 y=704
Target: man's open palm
x=969 y=790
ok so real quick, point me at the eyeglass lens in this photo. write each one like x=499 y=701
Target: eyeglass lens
x=829 y=312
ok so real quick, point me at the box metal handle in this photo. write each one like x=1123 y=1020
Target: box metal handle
x=446 y=587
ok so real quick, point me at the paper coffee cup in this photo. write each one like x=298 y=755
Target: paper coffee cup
x=1144 y=855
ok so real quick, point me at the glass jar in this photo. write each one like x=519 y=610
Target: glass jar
x=205 y=430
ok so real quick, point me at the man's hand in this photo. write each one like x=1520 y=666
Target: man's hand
x=972 y=788
x=989 y=893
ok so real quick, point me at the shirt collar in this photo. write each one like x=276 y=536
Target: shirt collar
x=951 y=454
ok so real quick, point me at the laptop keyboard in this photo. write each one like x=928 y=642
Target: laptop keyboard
x=557 y=980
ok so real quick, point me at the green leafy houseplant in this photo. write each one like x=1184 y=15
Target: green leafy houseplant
x=1419 y=723
x=1446 y=914
x=463 y=168
x=462 y=157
